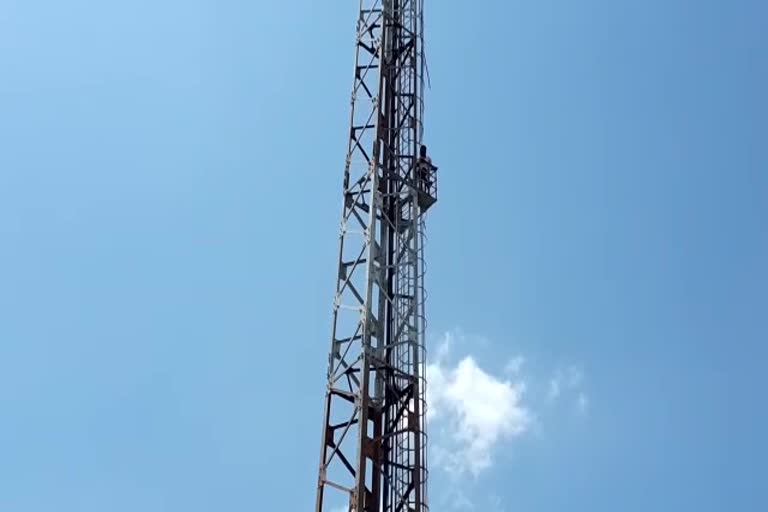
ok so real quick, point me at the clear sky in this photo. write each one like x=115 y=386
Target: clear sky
x=170 y=177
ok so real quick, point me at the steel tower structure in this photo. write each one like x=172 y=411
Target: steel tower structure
x=374 y=445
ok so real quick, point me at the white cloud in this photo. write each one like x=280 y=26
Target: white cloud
x=475 y=411
x=472 y=411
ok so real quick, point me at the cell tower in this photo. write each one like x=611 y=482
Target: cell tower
x=374 y=445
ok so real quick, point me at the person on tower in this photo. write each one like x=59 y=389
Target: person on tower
x=425 y=169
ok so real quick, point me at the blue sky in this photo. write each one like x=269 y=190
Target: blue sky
x=170 y=179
